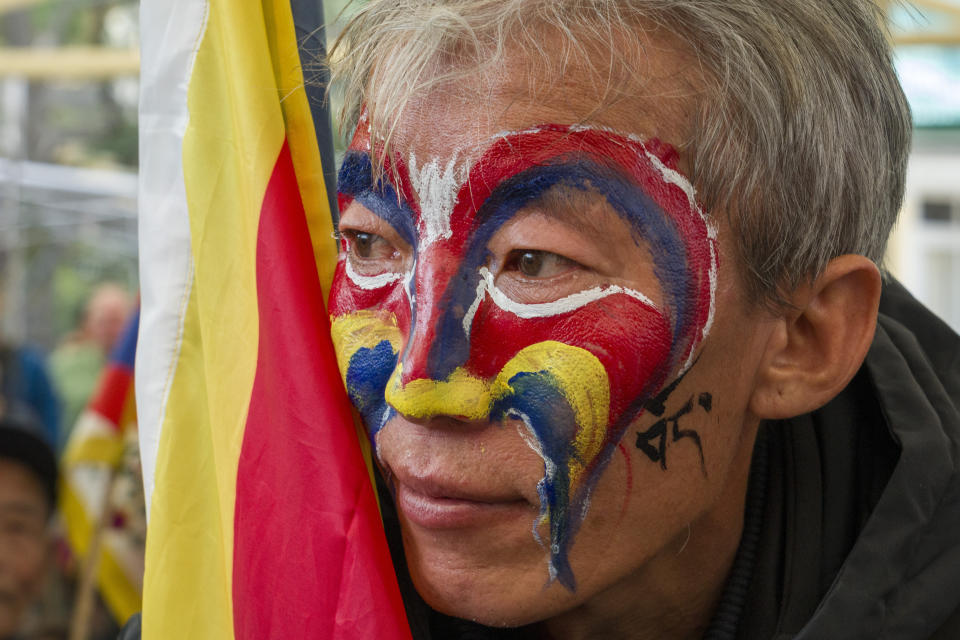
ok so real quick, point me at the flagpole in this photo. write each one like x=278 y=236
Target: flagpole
x=87 y=584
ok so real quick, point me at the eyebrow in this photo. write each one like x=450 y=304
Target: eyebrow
x=573 y=206
x=355 y=180
x=564 y=186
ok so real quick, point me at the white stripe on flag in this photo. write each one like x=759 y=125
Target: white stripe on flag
x=170 y=36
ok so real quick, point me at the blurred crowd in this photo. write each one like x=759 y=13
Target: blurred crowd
x=49 y=587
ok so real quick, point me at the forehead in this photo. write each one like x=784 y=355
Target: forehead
x=654 y=95
x=20 y=488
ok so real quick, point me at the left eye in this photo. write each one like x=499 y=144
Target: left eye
x=369 y=253
x=537 y=264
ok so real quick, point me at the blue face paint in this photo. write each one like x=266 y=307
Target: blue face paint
x=367 y=376
x=537 y=399
x=355 y=180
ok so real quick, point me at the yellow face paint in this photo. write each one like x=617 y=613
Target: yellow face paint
x=579 y=375
x=560 y=391
x=582 y=380
x=363 y=329
x=461 y=395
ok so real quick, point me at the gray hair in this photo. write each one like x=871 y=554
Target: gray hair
x=800 y=137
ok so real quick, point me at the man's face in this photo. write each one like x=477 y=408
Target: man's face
x=107 y=315
x=521 y=314
x=23 y=542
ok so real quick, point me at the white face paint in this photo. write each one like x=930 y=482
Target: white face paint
x=675 y=177
x=437 y=194
x=542 y=309
x=370 y=282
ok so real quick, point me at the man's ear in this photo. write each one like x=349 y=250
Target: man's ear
x=819 y=344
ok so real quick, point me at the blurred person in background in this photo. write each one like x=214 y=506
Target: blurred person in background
x=76 y=363
x=23 y=376
x=28 y=481
x=25 y=381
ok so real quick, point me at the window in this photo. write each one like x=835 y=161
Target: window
x=938 y=244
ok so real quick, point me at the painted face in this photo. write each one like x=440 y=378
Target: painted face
x=431 y=318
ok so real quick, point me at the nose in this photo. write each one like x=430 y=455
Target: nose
x=430 y=379
x=437 y=344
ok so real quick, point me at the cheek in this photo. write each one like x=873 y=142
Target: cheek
x=31 y=564
x=346 y=297
x=368 y=328
x=574 y=380
x=631 y=341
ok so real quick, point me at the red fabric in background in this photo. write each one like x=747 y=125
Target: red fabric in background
x=113 y=393
x=310 y=557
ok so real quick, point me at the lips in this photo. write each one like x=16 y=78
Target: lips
x=432 y=503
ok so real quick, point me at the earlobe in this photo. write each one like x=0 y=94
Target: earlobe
x=820 y=343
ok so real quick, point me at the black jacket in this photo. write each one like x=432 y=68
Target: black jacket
x=852 y=526
x=857 y=533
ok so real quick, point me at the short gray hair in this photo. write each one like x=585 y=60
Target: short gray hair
x=801 y=135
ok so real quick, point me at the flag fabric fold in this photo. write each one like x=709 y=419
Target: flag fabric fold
x=262 y=519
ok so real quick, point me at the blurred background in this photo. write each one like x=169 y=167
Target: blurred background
x=68 y=197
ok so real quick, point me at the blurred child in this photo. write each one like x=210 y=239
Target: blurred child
x=28 y=481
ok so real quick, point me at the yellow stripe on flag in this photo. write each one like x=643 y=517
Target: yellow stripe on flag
x=187 y=588
x=234 y=135
x=106 y=450
x=307 y=164
x=121 y=597
x=302 y=138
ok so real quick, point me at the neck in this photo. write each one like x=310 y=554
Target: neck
x=675 y=594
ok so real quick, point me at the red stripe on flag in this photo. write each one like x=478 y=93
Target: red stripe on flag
x=310 y=556
x=112 y=393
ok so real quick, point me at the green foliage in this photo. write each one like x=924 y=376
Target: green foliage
x=75 y=278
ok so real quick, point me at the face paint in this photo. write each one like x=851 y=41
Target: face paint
x=436 y=336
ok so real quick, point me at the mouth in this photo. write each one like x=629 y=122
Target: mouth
x=433 y=504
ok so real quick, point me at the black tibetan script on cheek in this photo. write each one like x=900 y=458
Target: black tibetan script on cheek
x=667 y=430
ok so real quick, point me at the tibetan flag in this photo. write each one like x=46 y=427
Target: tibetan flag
x=262 y=519
x=101 y=482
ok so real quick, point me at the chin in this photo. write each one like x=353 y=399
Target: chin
x=495 y=607
x=493 y=595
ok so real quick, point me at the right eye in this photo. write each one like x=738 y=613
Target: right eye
x=370 y=254
x=368 y=245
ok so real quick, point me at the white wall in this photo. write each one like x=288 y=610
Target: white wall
x=925 y=256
